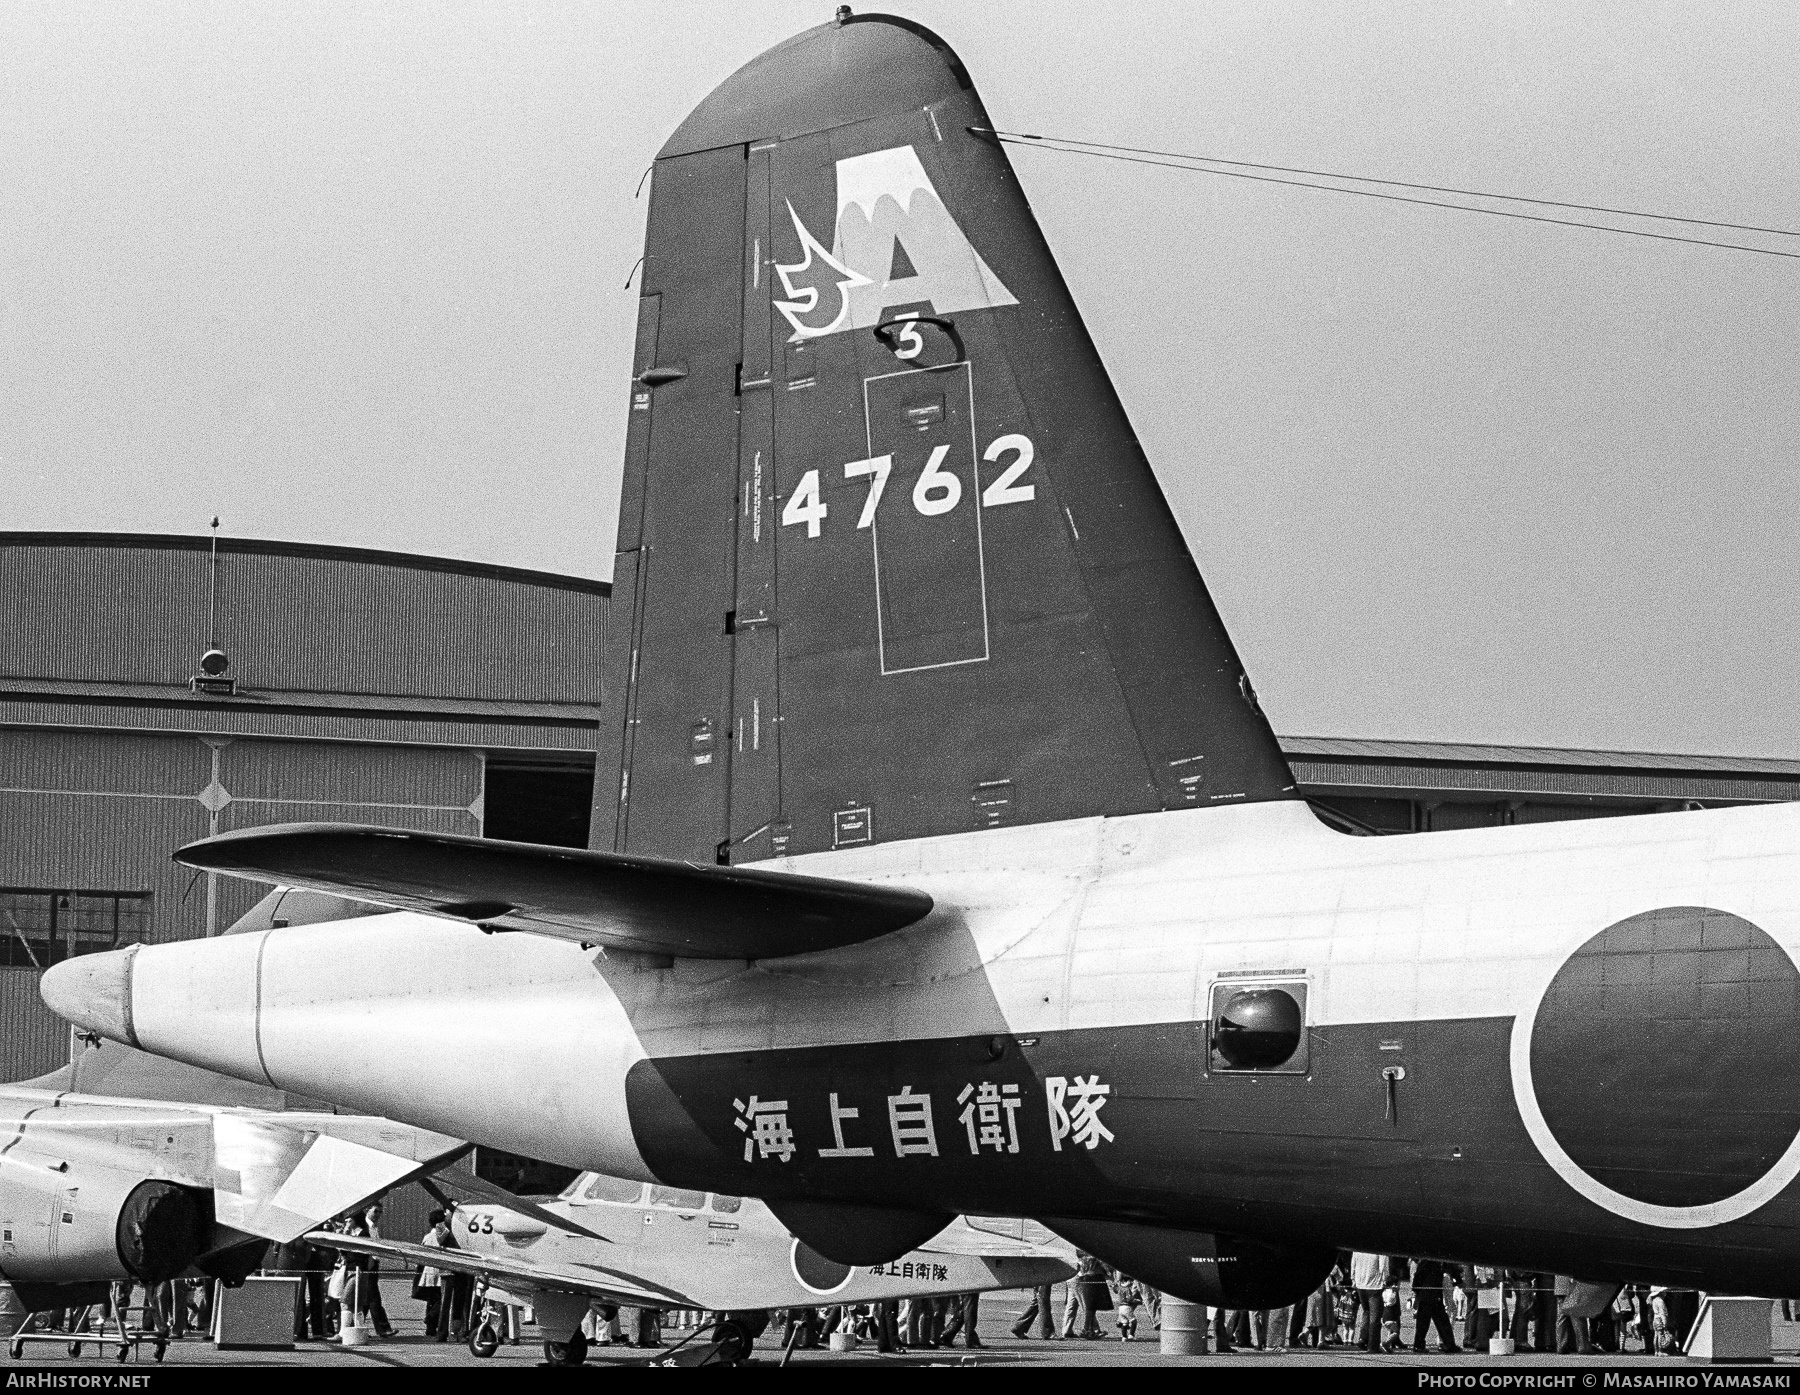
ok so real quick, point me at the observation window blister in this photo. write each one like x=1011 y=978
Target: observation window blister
x=1258 y=1026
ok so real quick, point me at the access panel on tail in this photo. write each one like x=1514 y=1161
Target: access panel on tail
x=891 y=561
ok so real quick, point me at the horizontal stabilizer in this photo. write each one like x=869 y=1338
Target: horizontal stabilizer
x=486 y=1191
x=278 y=1176
x=513 y=1273
x=621 y=901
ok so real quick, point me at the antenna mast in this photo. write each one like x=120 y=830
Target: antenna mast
x=212 y=587
x=213 y=663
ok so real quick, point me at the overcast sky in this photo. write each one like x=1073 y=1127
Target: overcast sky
x=352 y=273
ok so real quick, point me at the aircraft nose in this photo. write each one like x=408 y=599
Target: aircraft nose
x=94 y=992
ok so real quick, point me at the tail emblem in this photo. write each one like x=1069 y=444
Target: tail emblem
x=895 y=244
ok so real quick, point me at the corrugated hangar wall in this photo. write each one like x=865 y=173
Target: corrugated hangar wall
x=99 y=814
x=368 y=688
x=90 y=608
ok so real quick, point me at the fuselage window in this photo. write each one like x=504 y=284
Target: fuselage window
x=604 y=1188
x=680 y=1201
x=728 y=1205
x=1258 y=1027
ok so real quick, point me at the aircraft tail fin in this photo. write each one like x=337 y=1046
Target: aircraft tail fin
x=891 y=562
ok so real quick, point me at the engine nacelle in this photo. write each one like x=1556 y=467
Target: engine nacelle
x=73 y=1222
x=1222 y=1271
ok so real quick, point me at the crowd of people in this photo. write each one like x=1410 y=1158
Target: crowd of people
x=168 y=1310
x=1368 y=1299
x=1362 y=1304
x=1366 y=1302
x=340 y=1288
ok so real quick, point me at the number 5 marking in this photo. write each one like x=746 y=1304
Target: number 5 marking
x=880 y=467
x=912 y=344
x=1004 y=490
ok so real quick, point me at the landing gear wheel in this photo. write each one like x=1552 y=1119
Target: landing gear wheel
x=124 y=1351
x=570 y=1353
x=75 y=1350
x=484 y=1341
x=734 y=1339
x=162 y=1349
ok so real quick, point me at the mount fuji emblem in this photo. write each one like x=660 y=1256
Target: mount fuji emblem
x=895 y=244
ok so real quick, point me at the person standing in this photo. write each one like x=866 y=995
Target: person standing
x=1482 y=1283
x=1039 y=1311
x=1368 y=1276
x=887 y=1325
x=1072 y=1306
x=454 y=1292
x=1544 y=1314
x=1316 y=1322
x=1679 y=1307
x=912 y=1322
x=1088 y=1296
x=965 y=1312
x=1125 y=1307
x=331 y=1267
x=1429 y=1309
x=429 y=1286
x=299 y=1259
x=368 y=1298
x=1521 y=1288
x=1577 y=1305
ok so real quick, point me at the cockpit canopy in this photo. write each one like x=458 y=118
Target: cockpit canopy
x=592 y=1187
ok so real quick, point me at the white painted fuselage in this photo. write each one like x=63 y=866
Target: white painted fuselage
x=525 y=1043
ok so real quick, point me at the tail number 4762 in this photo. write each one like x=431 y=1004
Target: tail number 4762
x=936 y=491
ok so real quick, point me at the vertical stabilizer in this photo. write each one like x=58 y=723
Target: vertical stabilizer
x=891 y=562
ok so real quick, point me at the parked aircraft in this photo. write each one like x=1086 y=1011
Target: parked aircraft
x=627 y=1242
x=1039 y=925
x=96 y=1187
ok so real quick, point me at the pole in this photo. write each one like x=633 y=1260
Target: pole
x=212 y=587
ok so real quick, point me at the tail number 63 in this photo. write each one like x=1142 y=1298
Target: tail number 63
x=936 y=491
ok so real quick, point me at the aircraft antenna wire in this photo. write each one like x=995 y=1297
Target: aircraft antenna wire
x=1173 y=160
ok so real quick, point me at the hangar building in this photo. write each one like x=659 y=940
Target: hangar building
x=362 y=687
x=1430 y=786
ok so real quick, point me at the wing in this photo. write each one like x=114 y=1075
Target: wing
x=983 y=1238
x=611 y=1285
x=650 y=904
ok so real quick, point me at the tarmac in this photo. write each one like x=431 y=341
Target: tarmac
x=411 y=1348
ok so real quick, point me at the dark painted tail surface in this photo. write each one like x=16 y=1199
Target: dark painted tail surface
x=891 y=562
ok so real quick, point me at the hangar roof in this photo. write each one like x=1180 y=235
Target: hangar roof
x=1325 y=762
x=107 y=629
x=1354 y=748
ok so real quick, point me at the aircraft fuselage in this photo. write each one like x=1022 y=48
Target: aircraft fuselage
x=1566 y=1047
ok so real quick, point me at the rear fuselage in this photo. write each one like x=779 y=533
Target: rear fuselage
x=1563 y=1047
